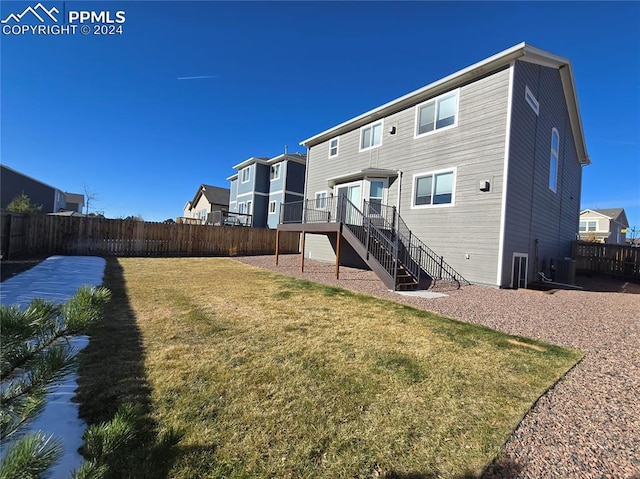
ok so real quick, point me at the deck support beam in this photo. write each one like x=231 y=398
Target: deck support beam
x=302 y=253
x=338 y=236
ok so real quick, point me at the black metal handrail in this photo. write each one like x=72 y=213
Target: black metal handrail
x=381 y=230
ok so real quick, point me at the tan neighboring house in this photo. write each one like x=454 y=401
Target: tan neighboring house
x=604 y=225
x=207 y=200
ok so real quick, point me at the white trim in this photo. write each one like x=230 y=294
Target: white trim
x=433 y=173
x=557 y=157
x=371 y=125
x=513 y=263
x=531 y=100
x=436 y=101
x=337 y=140
x=286 y=192
x=251 y=193
x=250 y=162
x=505 y=175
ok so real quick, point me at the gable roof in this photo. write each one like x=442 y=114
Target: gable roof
x=615 y=214
x=214 y=195
x=522 y=51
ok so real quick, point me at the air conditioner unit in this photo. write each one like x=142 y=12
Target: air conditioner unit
x=565 y=270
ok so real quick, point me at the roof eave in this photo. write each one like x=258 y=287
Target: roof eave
x=432 y=89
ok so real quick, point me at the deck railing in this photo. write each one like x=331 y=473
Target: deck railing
x=381 y=230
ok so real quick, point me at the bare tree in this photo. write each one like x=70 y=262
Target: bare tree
x=89 y=196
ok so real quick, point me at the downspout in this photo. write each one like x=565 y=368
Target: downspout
x=399 y=191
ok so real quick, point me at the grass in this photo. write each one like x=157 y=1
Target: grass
x=264 y=375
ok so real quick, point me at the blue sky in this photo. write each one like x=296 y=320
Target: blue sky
x=109 y=112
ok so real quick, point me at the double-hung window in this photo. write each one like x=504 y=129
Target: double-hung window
x=333 y=148
x=434 y=189
x=246 y=174
x=272 y=207
x=553 y=161
x=588 y=226
x=321 y=200
x=438 y=113
x=371 y=136
x=275 y=171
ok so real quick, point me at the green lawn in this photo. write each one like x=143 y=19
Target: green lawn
x=264 y=375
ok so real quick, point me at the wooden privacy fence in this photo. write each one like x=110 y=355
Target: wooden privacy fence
x=41 y=235
x=615 y=259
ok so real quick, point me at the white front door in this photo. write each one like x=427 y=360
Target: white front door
x=353 y=193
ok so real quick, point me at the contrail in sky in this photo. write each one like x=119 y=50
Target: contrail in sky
x=202 y=77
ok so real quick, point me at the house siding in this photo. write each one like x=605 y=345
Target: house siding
x=538 y=221
x=14 y=184
x=233 y=193
x=475 y=148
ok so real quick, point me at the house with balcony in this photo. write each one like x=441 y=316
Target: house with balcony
x=261 y=185
x=604 y=225
x=475 y=177
x=207 y=206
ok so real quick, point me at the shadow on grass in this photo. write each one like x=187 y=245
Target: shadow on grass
x=501 y=469
x=111 y=374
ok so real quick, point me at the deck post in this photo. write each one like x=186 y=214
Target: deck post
x=277 y=245
x=338 y=235
x=302 y=253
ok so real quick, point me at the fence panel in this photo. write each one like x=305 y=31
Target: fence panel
x=40 y=235
x=614 y=259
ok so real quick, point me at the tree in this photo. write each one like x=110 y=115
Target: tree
x=22 y=204
x=169 y=221
x=35 y=353
x=89 y=196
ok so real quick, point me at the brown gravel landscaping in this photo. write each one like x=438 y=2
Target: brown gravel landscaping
x=588 y=425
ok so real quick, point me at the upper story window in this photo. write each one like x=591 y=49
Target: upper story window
x=588 y=226
x=553 y=161
x=371 y=136
x=434 y=189
x=438 y=113
x=531 y=100
x=272 y=207
x=246 y=174
x=275 y=171
x=333 y=147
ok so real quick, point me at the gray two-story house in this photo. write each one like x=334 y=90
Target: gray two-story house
x=261 y=185
x=476 y=176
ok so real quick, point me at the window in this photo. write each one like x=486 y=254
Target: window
x=246 y=174
x=250 y=207
x=242 y=208
x=371 y=136
x=588 y=226
x=553 y=162
x=272 y=207
x=438 y=113
x=275 y=171
x=531 y=100
x=333 y=147
x=203 y=215
x=376 y=190
x=321 y=199
x=433 y=189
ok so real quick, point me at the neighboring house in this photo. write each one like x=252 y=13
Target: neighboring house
x=604 y=225
x=52 y=199
x=207 y=200
x=483 y=166
x=261 y=185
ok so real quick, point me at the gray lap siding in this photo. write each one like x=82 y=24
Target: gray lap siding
x=538 y=221
x=475 y=148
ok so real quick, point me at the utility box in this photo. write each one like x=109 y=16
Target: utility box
x=563 y=270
